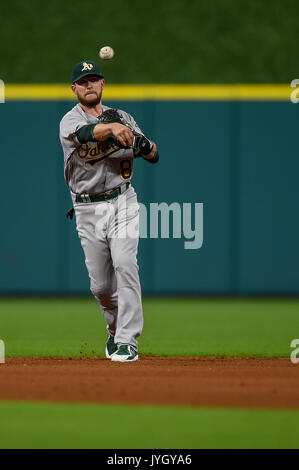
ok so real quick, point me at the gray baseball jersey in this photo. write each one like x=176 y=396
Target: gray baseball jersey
x=94 y=167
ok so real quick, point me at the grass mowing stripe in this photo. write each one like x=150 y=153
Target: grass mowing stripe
x=47 y=425
x=173 y=327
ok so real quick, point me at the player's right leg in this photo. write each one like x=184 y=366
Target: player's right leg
x=123 y=238
x=99 y=264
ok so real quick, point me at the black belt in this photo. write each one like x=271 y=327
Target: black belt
x=101 y=197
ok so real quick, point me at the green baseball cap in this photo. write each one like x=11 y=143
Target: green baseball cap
x=86 y=67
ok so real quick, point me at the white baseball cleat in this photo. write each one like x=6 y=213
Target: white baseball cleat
x=125 y=353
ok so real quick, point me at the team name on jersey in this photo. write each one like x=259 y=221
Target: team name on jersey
x=93 y=153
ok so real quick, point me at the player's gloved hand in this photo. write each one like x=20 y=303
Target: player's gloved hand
x=111 y=116
x=108 y=116
x=142 y=145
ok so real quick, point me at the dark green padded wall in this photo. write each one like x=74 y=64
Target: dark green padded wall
x=238 y=158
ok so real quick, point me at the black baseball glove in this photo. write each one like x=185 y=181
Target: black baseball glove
x=108 y=116
x=141 y=145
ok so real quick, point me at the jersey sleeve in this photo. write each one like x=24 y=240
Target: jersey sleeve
x=68 y=127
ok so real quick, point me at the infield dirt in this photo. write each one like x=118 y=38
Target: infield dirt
x=195 y=381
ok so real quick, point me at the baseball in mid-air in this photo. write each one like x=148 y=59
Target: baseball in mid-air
x=106 y=53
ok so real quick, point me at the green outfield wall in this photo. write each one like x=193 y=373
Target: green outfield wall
x=237 y=157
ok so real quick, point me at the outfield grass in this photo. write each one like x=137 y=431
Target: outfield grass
x=36 y=425
x=168 y=41
x=173 y=327
x=73 y=327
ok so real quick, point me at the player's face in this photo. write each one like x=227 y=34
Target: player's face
x=89 y=90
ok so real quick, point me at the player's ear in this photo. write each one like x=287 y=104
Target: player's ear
x=103 y=83
x=74 y=89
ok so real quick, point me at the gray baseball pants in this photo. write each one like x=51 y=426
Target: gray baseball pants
x=109 y=235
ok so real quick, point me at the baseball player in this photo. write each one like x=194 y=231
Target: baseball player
x=100 y=145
